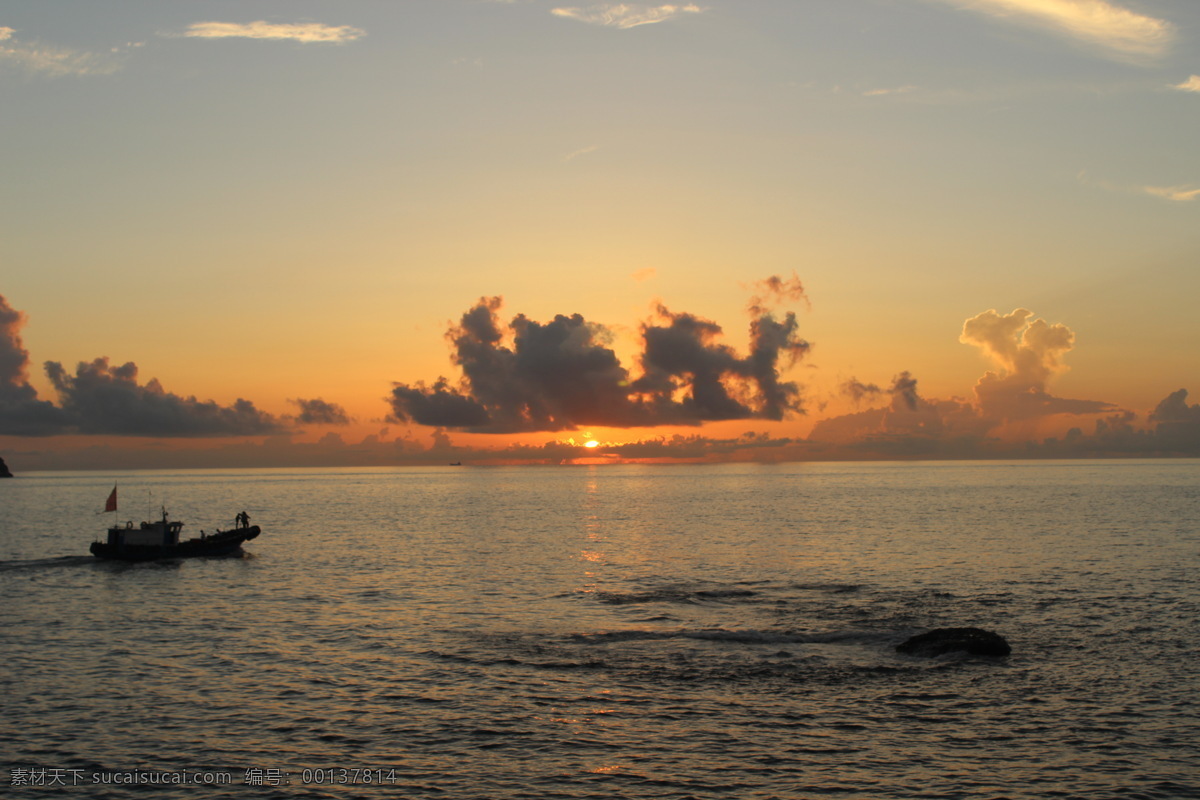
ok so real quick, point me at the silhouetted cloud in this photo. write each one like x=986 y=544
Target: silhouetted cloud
x=858 y=391
x=904 y=391
x=1176 y=420
x=775 y=291
x=304 y=32
x=562 y=374
x=21 y=412
x=100 y=399
x=319 y=412
x=907 y=416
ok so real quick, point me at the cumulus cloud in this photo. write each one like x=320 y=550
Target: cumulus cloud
x=1028 y=354
x=319 y=412
x=52 y=61
x=559 y=375
x=21 y=412
x=1192 y=84
x=1176 y=421
x=625 y=15
x=306 y=32
x=1174 y=408
x=1112 y=27
x=100 y=399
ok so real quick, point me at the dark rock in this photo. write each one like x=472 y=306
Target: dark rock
x=4 y=473
x=974 y=641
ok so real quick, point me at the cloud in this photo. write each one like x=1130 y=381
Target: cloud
x=1177 y=422
x=305 y=32
x=882 y=92
x=644 y=274
x=776 y=291
x=583 y=151
x=1028 y=354
x=560 y=375
x=1183 y=193
x=52 y=61
x=1174 y=409
x=1097 y=22
x=858 y=391
x=625 y=15
x=1192 y=84
x=319 y=412
x=1179 y=194
x=99 y=399
x=21 y=412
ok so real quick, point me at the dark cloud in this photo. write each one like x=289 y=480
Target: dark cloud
x=775 y=291
x=438 y=405
x=1174 y=409
x=562 y=374
x=21 y=412
x=99 y=399
x=319 y=412
x=770 y=340
x=859 y=391
x=904 y=391
x=681 y=356
x=1176 y=421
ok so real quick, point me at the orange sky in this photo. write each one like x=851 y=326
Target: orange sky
x=285 y=210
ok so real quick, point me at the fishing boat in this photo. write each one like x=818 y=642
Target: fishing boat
x=160 y=539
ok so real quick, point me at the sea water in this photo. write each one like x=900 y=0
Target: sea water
x=597 y=632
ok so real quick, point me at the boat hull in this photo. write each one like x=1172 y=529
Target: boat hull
x=221 y=543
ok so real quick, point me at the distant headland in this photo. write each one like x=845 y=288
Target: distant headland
x=4 y=473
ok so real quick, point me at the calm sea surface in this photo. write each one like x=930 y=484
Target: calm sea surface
x=601 y=632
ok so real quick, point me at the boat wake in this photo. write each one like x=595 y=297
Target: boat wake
x=45 y=563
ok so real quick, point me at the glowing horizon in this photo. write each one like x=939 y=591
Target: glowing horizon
x=247 y=236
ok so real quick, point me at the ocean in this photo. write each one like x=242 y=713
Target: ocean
x=637 y=631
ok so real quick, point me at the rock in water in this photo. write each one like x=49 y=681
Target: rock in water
x=975 y=641
x=4 y=473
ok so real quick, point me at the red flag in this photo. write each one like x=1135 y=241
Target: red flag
x=111 y=503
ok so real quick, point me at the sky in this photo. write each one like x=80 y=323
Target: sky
x=428 y=231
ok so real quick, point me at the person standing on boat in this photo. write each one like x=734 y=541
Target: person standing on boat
x=243 y=520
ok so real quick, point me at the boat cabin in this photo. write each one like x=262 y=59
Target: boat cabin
x=159 y=533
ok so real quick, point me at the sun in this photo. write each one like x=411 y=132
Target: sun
x=591 y=443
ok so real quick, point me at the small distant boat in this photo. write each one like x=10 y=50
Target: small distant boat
x=160 y=539
x=456 y=463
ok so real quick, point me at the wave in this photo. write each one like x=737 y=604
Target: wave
x=750 y=636
x=692 y=594
x=670 y=594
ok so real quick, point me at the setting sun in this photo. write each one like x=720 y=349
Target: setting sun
x=591 y=443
